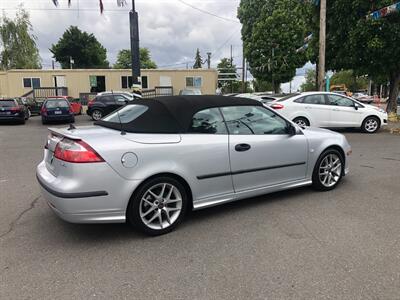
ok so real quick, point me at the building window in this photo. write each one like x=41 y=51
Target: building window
x=31 y=82
x=195 y=81
x=145 y=84
x=126 y=82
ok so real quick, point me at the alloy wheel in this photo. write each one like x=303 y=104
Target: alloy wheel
x=371 y=125
x=97 y=115
x=330 y=170
x=160 y=206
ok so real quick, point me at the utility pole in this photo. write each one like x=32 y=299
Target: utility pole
x=243 y=72
x=209 y=60
x=231 y=67
x=134 y=34
x=322 y=45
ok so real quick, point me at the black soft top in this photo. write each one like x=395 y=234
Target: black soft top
x=173 y=114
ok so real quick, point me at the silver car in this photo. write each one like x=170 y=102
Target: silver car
x=150 y=162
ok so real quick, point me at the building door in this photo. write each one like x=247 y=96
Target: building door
x=59 y=84
x=165 y=81
x=97 y=83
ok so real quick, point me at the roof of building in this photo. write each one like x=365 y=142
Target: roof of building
x=173 y=114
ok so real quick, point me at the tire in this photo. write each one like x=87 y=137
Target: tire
x=44 y=122
x=330 y=177
x=29 y=114
x=301 y=121
x=371 y=125
x=143 y=206
x=80 y=111
x=22 y=122
x=97 y=114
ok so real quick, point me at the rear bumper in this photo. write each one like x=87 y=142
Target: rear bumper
x=84 y=198
x=18 y=117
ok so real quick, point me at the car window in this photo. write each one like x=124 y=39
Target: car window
x=208 y=121
x=106 y=99
x=300 y=100
x=7 y=103
x=126 y=114
x=57 y=103
x=314 y=99
x=340 y=101
x=253 y=120
x=120 y=98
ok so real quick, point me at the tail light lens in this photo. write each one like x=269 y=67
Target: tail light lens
x=15 y=109
x=277 y=106
x=43 y=110
x=76 y=152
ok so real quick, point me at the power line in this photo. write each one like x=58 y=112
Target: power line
x=208 y=13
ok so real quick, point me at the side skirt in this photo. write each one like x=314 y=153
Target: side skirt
x=213 y=201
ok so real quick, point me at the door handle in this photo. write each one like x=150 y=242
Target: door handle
x=242 y=147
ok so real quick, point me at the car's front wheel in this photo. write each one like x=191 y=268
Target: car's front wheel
x=370 y=125
x=158 y=206
x=301 y=121
x=328 y=170
x=97 y=114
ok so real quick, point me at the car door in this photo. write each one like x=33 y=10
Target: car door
x=344 y=112
x=262 y=152
x=317 y=108
x=110 y=104
x=204 y=152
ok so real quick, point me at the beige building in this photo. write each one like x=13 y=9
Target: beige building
x=14 y=83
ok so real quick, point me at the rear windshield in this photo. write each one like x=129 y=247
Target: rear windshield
x=57 y=103
x=286 y=98
x=126 y=114
x=7 y=103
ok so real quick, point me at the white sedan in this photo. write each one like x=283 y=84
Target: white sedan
x=330 y=110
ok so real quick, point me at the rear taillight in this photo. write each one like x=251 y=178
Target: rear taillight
x=76 y=152
x=43 y=110
x=15 y=109
x=277 y=106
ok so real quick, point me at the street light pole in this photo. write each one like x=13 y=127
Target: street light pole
x=134 y=34
x=322 y=45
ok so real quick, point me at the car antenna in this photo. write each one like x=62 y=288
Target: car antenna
x=119 y=118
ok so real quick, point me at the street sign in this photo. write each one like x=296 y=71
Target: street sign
x=93 y=81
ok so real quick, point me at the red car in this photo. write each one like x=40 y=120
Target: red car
x=75 y=103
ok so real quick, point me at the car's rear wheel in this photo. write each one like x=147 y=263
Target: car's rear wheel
x=370 y=125
x=301 y=121
x=97 y=114
x=328 y=171
x=158 y=206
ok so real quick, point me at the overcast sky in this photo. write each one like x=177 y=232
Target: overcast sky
x=171 y=29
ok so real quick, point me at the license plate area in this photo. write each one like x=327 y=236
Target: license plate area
x=58 y=112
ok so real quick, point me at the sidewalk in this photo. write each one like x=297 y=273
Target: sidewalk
x=392 y=127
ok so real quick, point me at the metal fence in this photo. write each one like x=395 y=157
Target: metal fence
x=158 y=91
x=45 y=92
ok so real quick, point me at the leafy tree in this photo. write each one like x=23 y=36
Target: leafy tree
x=82 y=47
x=352 y=82
x=272 y=31
x=364 y=45
x=310 y=84
x=226 y=66
x=18 y=44
x=124 y=59
x=197 y=60
x=262 y=86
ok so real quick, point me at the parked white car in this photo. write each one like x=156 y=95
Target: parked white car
x=331 y=110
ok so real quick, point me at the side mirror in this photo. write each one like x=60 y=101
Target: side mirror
x=291 y=130
x=356 y=107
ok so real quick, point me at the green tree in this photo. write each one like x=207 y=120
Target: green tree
x=230 y=85
x=82 y=47
x=18 y=44
x=362 y=44
x=352 y=82
x=310 y=83
x=272 y=31
x=197 y=60
x=124 y=59
x=262 y=85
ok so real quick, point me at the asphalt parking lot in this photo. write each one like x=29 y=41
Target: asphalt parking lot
x=299 y=244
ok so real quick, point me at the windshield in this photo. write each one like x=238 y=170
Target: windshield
x=57 y=103
x=7 y=103
x=126 y=114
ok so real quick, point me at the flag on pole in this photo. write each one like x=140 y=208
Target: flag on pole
x=101 y=6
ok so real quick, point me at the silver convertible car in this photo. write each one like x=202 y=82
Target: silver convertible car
x=150 y=162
